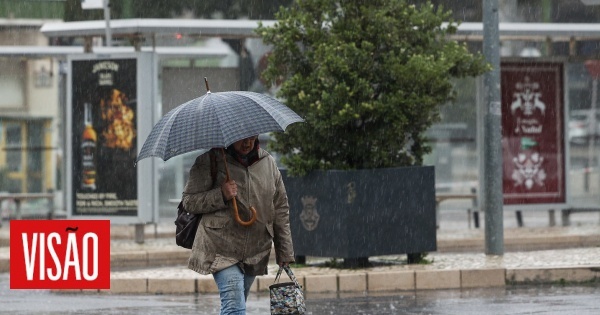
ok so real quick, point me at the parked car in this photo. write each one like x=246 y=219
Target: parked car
x=581 y=129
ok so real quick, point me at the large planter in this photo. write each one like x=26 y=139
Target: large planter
x=363 y=213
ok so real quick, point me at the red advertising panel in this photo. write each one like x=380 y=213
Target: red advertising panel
x=533 y=133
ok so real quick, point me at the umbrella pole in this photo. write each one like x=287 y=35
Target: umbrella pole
x=235 y=207
x=206 y=83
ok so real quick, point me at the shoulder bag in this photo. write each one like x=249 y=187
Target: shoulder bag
x=287 y=297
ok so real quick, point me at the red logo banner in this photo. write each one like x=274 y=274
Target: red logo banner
x=60 y=254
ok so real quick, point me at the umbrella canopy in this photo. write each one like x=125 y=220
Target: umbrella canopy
x=216 y=120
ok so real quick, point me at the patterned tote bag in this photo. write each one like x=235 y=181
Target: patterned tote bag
x=286 y=297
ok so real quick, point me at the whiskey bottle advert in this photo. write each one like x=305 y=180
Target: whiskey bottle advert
x=104 y=109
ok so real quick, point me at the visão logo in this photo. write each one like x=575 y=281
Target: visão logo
x=60 y=254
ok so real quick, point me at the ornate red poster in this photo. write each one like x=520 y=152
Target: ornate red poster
x=533 y=133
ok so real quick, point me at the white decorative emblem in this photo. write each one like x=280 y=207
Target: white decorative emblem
x=309 y=216
x=527 y=107
x=528 y=167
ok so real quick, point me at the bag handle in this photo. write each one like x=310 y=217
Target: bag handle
x=290 y=274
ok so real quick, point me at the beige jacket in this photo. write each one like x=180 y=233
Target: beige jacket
x=220 y=241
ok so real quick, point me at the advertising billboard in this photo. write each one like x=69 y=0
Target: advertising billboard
x=104 y=136
x=533 y=145
x=104 y=117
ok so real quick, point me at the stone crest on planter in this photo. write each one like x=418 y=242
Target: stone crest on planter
x=309 y=215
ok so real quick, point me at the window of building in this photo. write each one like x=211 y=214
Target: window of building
x=24 y=155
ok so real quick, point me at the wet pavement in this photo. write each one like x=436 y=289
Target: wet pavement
x=536 y=246
x=556 y=299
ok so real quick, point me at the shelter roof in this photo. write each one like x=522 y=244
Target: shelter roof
x=24 y=23
x=147 y=27
x=62 y=51
x=245 y=28
x=534 y=31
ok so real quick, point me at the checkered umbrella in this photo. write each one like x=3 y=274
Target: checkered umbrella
x=216 y=120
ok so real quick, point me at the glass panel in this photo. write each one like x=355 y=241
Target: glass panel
x=35 y=150
x=453 y=141
x=584 y=150
x=34 y=147
x=173 y=176
x=14 y=186
x=13 y=147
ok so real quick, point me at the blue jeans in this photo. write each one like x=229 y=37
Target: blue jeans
x=234 y=287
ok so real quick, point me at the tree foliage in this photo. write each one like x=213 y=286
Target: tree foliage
x=369 y=77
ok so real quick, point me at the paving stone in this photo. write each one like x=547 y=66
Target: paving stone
x=437 y=279
x=118 y=286
x=206 y=285
x=321 y=283
x=129 y=259
x=352 y=282
x=263 y=282
x=168 y=257
x=549 y=275
x=391 y=281
x=482 y=278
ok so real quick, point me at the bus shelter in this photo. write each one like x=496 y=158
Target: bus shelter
x=543 y=62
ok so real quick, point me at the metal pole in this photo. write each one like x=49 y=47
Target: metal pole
x=62 y=109
x=593 y=127
x=107 y=19
x=494 y=226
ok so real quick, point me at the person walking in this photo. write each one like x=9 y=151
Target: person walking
x=233 y=253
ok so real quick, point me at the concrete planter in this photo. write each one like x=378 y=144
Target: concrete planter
x=362 y=213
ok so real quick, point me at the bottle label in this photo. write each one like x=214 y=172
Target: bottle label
x=89 y=165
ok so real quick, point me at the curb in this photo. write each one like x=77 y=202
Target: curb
x=176 y=256
x=519 y=244
x=407 y=280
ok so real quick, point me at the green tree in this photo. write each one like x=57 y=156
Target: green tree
x=369 y=77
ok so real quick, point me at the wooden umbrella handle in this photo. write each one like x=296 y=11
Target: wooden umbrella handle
x=235 y=207
x=237 y=215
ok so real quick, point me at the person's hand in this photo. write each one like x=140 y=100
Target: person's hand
x=229 y=190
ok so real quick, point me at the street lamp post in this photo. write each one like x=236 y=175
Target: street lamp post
x=106 y=5
x=492 y=157
x=100 y=4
